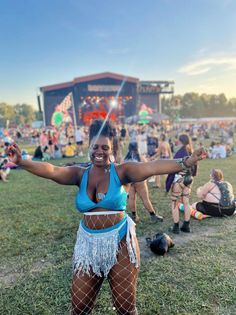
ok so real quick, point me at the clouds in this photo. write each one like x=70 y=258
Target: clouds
x=212 y=74
x=205 y=65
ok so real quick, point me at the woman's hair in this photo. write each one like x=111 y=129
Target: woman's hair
x=217 y=175
x=38 y=154
x=133 y=152
x=163 y=137
x=187 y=143
x=45 y=149
x=101 y=128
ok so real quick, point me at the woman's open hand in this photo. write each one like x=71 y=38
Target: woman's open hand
x=14 y=153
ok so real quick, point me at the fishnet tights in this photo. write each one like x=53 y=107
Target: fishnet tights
x=102 y=221
x=122 y=279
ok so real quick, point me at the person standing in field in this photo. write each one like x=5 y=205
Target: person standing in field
x=106 y=244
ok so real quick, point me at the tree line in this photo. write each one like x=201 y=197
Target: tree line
x=18 y=115
x=194 y=105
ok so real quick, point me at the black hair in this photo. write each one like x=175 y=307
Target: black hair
x=133 y=152
x=102 y=128
x=163 y=137
x=187 y=143
x=38 y=154
x=45 y=149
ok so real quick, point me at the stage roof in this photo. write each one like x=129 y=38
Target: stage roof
x=87 y=78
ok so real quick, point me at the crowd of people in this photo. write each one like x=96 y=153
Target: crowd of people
x=120 y=161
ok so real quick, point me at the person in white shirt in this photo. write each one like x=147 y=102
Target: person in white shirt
x=79 y=139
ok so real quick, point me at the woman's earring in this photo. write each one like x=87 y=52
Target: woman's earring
x=112 y=158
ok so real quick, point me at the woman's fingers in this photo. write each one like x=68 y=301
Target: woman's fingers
x=13 y=152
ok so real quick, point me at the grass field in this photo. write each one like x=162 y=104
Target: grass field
x=38 y=224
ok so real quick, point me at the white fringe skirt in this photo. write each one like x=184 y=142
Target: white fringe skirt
x=96 y=250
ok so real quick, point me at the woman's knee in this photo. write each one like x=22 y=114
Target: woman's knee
x=84 y=291
x=125 y=307
x=81 y=309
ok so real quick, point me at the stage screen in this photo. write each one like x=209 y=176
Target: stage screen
x=95 y=107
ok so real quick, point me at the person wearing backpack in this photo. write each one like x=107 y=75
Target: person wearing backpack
x=217 y=196
x=179 y=184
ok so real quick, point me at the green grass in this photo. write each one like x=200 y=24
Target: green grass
x=38 y=224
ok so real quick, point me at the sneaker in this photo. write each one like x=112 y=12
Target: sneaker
x=185 y=227
x=135 y=218
x=175 y=228
x=156 y=218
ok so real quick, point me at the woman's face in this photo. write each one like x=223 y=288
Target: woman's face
x=100 y=150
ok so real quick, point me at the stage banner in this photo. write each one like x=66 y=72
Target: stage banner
x=64 y=112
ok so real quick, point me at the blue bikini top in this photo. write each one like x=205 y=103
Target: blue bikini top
x=115 y=198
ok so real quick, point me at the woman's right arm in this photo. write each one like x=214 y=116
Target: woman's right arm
x=68 y=175
x=202 y=191
x=62 y=175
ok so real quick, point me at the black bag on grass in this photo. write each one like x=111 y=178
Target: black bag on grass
x=160 y=244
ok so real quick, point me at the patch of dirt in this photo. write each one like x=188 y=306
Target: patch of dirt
x=9 y=277
x=179 y=239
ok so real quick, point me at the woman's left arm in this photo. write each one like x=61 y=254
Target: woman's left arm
x=136 y=172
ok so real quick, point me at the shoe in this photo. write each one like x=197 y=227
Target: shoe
x=135 y=218
x=156 y=218
x=185 y=227
x=175 y=228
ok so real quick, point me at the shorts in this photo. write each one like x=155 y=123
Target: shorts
x=214 y=210
x=79 y=142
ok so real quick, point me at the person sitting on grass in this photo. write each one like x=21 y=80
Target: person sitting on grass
x=38 y=154
x=26 y=155
x=69 y=150
x=57 y=152
x=217 y=196
x=46 y=155
x=4 y=171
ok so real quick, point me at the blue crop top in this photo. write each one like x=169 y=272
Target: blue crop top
x=115 y=198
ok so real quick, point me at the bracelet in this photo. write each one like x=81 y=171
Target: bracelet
x=182 y=162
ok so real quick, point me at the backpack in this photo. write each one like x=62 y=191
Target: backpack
x=227 y=197
x=160 y=243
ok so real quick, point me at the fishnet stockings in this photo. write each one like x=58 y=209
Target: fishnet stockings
x=122 y=279
x=97 y=222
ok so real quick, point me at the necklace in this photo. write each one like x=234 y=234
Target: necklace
x=107 y=169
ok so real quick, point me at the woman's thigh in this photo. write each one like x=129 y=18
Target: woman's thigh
x=123 y=278
x=142 y=189
x=84 y=291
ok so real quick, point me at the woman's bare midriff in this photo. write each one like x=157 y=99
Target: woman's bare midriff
x=97 y=222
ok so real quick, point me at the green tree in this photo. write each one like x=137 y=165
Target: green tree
x=6 y=113
x=24 y=113
x=38 y=115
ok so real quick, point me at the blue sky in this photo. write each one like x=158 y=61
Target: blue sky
x=192 y=42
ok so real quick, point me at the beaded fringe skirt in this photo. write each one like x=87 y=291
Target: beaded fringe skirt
x=96 y=250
